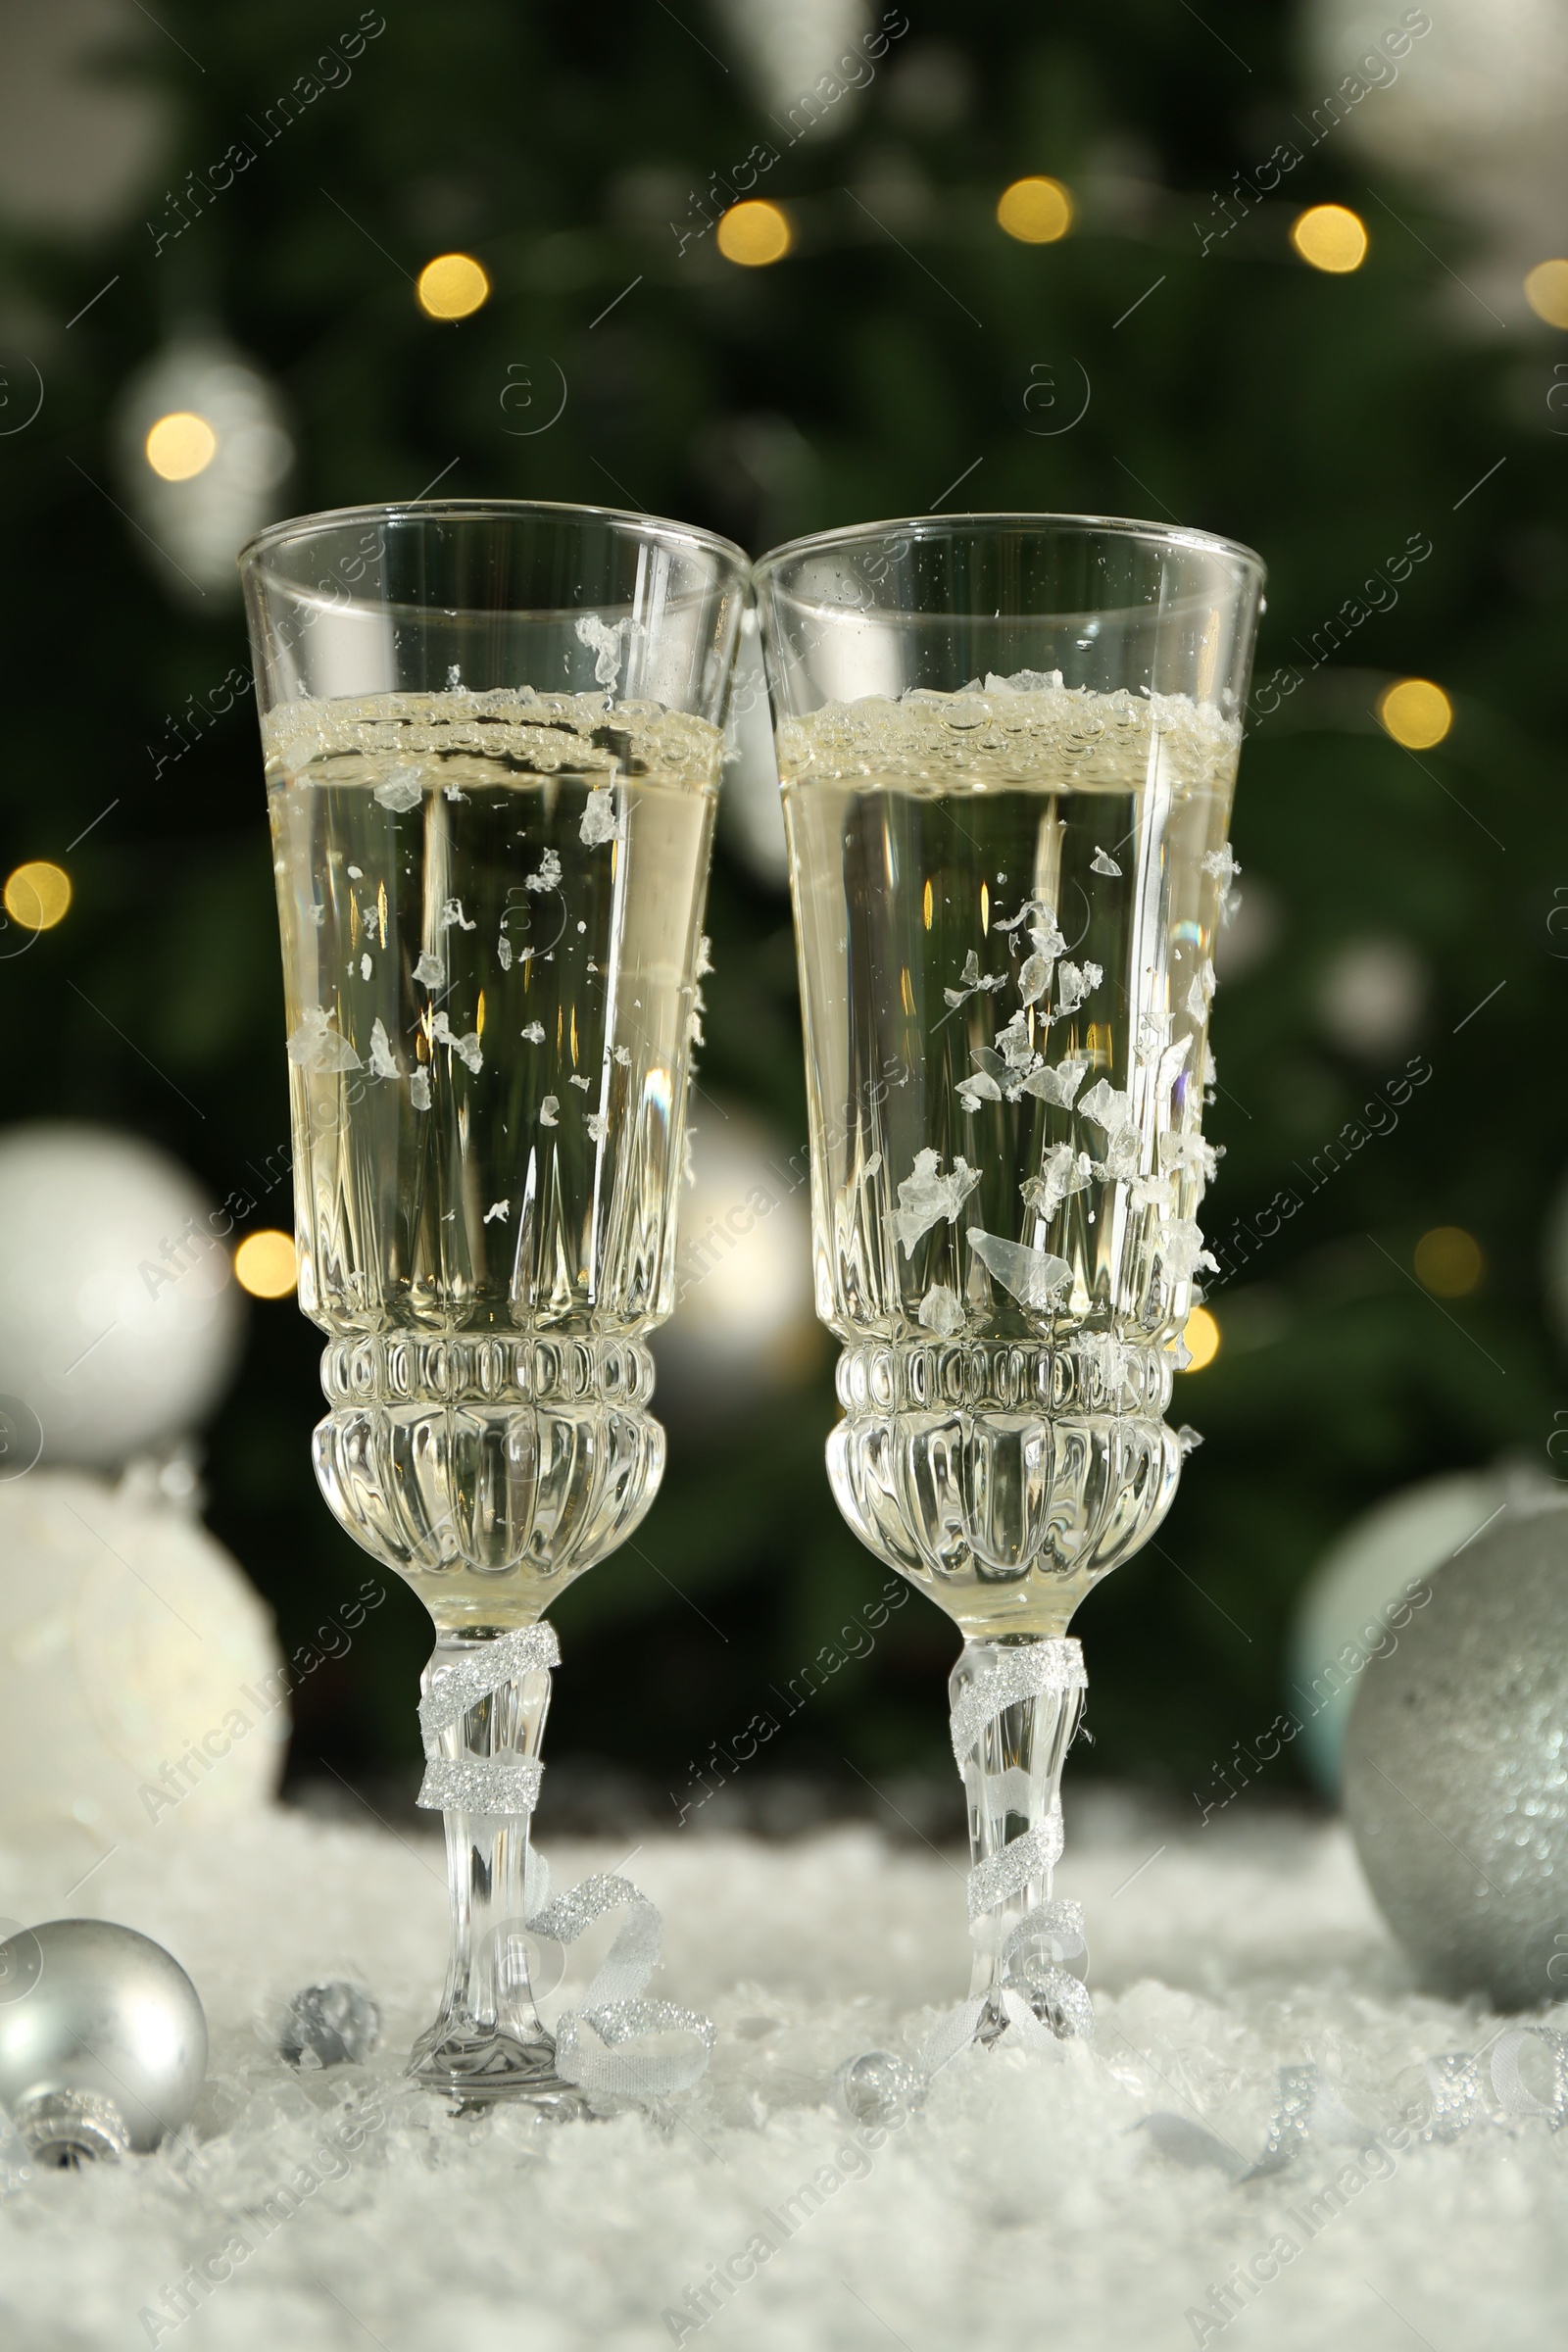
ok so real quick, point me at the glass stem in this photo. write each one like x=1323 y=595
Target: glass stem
x=488 y=2040
x=1011 y=1779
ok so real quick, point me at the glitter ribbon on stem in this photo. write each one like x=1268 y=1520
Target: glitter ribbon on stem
x=613 y=2011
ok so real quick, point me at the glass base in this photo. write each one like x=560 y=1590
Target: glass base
x=475 y=2069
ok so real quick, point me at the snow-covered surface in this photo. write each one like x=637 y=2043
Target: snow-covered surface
x=1031 y=2204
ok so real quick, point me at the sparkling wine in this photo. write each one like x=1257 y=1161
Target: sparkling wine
x=490 y=908
x=1006 y=907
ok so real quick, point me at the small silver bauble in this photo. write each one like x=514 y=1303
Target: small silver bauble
x=103 y=2043
x=335 y=2024
x=1457 y=1769
x=880 y=2089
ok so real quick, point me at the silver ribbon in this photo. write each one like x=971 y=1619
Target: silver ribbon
x=613 y=2009
x=1027 y=1672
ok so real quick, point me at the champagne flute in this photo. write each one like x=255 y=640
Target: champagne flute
x=492 y=737
x=1007 y=745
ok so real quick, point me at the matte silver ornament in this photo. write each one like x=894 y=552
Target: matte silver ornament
x=103 y=2042
x=1456 y=1771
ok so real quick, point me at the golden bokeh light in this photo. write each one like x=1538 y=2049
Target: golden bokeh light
x=754 y=234
x=1448 y=1260
x=265 y=1264
x=1330 y=236
x=180 y=446
x=38 y=895
x=1036 y=211
x=1200 y=1337
x=1415 y=712
x=1547 y=292
x=452 y=286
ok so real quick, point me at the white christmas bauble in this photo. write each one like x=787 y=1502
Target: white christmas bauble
x=202 y=517
x=119 y=1318
x=1373 y=1581
x=141 y=1687
x=1474 y=108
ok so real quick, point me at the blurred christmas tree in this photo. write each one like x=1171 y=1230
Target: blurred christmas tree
x=1390 y=435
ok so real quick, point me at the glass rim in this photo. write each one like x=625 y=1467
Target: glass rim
x=494 y=509
x=914 y=526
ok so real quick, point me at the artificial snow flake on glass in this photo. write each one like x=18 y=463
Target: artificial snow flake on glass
x=1034 y=979
x=584 y=1083
x=1182 y=1148
x=1108 y=1107
x=550 y=1111
x=1073 y=984
x=1034 y=1277
x=1058 y=1085
x=402 y=790
x=1102 y=863
x=535 y=1033
x=598 y=1126
x=1109 y=1356
x=452 y=913
x=971 y=979
x=1062 y=1172
x=599 y=819
x=606 y=642
x=430 y=971
x=1013 y=1043
x=940 y=1311
x=1221 y=864
x=466 y=1049
x=503 y=953
x=622 y=1054
x=872 y=1165
x=1043 y=929
x=1201 y=993
x=356 y=873
x=1188 y=1438
x=549 y=875
x=1180 y=1245
x=317 y=1045
x=419 y=1090
x=498 y=1208
x=366 y=967
x=1152 y=1192
x=383 y=1062
x=1170 y=1066
x=925 y=1197
x=973 y=1092
x=704 y=956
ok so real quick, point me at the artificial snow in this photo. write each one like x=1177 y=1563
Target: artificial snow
x=1035 y=1277
x=940 y=1311
x=925 y=1198
x=383 y=1062
x=1080 y=2197
x=317 y=1045
x=550 y=1111
x=1103 y=862
x=599 y=819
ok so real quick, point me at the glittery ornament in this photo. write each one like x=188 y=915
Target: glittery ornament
x=103 y=2043
x=335 y=2024
x=1456 y=1771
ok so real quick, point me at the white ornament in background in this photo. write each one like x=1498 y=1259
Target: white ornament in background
x=119 y=1318
x=786 y=46
x=1372 y=994
x=1342 y=1612
x=744 y=1324
x=202 y=523
x=141 y=1686
x=750 y=808
x=1479 y=112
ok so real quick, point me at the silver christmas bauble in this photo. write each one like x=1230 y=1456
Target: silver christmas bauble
x=1456 y=1771
x=103 y=2042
